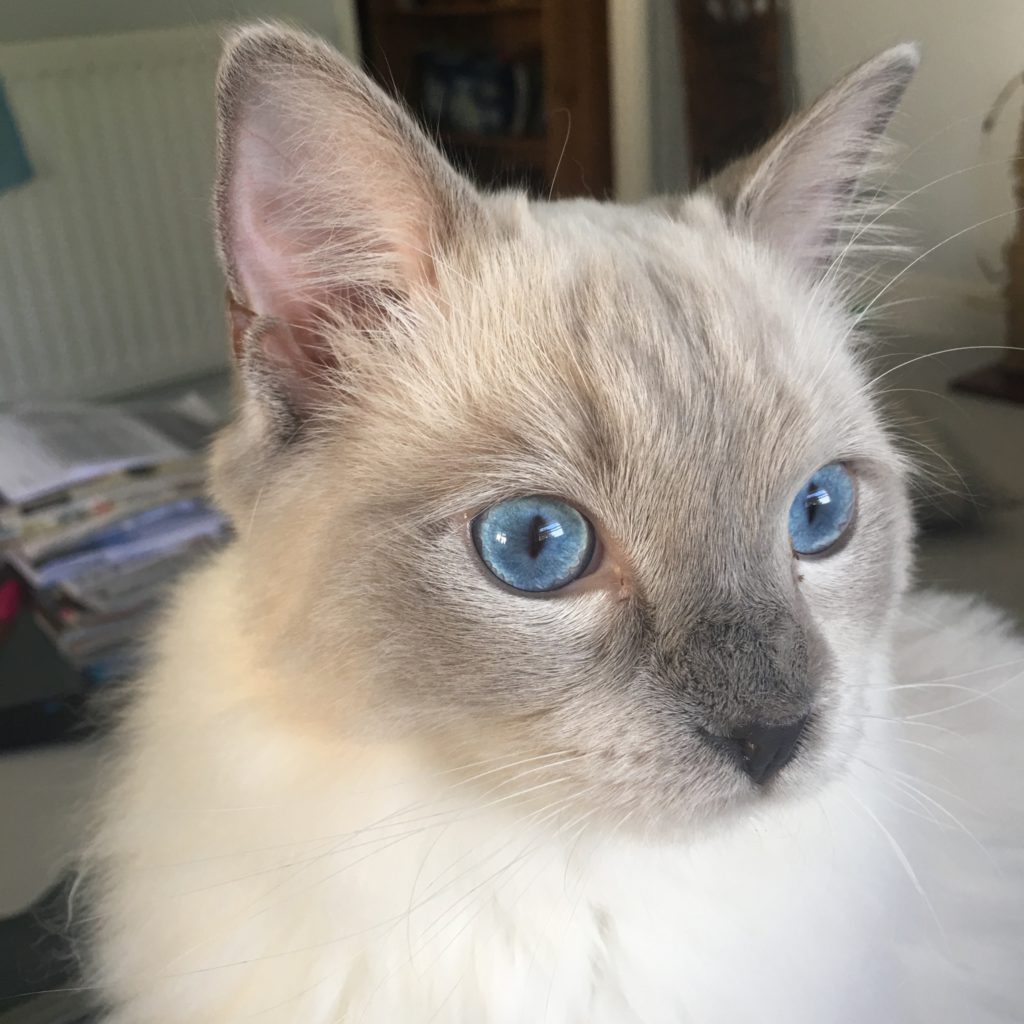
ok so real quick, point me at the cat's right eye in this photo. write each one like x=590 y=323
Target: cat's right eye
x=534 y=544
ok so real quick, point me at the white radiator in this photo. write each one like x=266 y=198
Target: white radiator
x=107 y=276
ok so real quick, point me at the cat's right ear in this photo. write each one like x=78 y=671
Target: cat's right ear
x=800 y=192
x=331 y=207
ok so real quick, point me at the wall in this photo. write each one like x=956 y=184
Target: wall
x=671 y=159
x=648 y=112
x=969 y=52
x=31 y=19
x=108 y=281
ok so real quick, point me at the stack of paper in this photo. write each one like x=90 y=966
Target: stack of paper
x=100 y=508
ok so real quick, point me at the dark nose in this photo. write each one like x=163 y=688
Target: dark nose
x=762 y=751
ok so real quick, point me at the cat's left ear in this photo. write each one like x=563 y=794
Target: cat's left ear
x=799 y=191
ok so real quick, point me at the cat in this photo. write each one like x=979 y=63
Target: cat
x=563 y=666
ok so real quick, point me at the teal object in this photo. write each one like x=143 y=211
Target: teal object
x=15 y=168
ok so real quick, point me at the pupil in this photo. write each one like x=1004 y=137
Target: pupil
x=538 y=534
x=816 y=497
x=540 y=530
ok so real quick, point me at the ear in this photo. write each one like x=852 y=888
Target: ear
x=799 y=192
x=331 y=208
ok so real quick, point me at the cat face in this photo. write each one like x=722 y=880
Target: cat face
x=598 y=486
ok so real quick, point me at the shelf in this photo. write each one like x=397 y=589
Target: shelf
x=530 y=149
x=468 y=9
x=566 y=39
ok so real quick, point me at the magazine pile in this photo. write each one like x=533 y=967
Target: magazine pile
x=101 y=507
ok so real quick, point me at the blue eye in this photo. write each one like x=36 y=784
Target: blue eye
x=534 y=544
x=823 y=510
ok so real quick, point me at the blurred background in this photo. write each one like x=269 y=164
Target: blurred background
x=113 y=355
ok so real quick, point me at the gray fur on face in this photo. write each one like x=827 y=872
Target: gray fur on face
x=666 y=369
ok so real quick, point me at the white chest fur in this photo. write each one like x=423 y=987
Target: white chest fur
x=257 y=878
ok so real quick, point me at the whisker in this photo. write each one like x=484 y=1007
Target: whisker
x=1013 y=663
x=565 y=145
x=522 y=860
x=929 y=686
x=581 y=889
x=911 y=790
x=250 y=911
x=901 y=857
x=547 y=813
x=861 y=230
x=437 y=925
x=906 y=783
x=385 y=822
x=916 y=743
x=942 y=352
x=896 y=720
x=294 y=951
x=986 y=695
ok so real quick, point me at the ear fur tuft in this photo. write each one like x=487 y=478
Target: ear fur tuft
x=799 y=191
x=331 y=203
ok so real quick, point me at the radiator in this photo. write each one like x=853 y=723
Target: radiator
x=107 y=276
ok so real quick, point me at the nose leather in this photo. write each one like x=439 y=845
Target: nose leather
x=759 y=749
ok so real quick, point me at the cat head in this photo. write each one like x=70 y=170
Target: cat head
x=592 y=486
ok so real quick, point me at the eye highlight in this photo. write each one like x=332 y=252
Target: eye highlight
x=534 y=544
x=823 y=510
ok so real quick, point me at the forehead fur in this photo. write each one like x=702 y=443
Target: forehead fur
x=593 y=342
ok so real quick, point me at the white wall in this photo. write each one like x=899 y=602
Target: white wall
x=647 y=108
x=970 y=50
x=670 y=170
x=23 y=20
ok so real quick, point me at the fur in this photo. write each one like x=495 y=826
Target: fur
x=363 y=782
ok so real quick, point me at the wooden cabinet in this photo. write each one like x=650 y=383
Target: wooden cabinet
x=558 y=50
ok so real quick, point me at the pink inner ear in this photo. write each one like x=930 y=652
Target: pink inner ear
x=274 y=262
x=334 y=227
x=268 y=259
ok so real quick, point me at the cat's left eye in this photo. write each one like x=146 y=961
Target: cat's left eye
x=822 y=511
x=535 y=544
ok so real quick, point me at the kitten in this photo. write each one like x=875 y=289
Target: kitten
x=561 y=669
